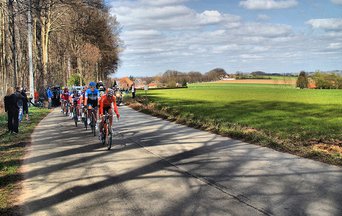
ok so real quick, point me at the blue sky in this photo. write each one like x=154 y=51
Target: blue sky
x=237 y=35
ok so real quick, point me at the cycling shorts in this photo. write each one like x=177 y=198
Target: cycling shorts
x=93 y=103
x=106 y=109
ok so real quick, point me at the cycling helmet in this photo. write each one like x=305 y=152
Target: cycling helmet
x=110 y=92
x=92 y=84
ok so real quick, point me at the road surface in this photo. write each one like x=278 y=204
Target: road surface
x=162 y=168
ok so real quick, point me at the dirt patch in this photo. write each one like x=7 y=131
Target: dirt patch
x=260 y=81
x=328 y=148
x=250 y=130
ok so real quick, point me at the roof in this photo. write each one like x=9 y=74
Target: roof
x=126 y=80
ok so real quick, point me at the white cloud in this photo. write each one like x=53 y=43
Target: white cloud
x=264 y=30
x=336 y=1
x=267 y=4
x=162 y=2
x=170 y=17
x=263 y=17
x=210 y=17
x=326 y=24
x=167 y=34
x=335 y=46
x=142 y=34
x=249 y=56
x=224 y=48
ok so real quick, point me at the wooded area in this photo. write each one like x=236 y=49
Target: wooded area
x=69 y=37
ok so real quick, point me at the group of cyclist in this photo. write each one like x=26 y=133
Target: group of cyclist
x=94 y=97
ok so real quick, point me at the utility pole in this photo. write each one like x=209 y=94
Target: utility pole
x=29 y=39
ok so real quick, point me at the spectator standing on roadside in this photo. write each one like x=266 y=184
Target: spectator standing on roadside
x=49 y=96
x=25 y=103
x=12 y=109
x=20 y=102
x=36 y=96
x=133 y=90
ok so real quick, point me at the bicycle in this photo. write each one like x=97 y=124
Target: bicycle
x=93 y=120
x=107 y=136
x=75 y=113
x=39 y=103
x=85 y=117
x=66 y=107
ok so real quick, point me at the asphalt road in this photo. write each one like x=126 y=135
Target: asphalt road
x=162 y=168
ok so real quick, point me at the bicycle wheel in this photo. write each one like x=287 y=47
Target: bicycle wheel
x=85 y=123
x=109 y=138
x=66 y=109
x=109 y=141
x=85 y=119
x=93 y=123
x=103 y=137
x=75 y=116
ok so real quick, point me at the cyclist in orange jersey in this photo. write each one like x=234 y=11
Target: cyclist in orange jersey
x=107 y=102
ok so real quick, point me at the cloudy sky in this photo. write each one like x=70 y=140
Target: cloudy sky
x=237 y=35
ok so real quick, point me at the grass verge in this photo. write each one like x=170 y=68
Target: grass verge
x=313 y=149
x=12 y=151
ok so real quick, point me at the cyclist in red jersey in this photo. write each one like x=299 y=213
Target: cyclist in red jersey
x=107 y=102
x=64 y=98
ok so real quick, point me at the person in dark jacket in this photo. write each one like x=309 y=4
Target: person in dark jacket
x=25 y=103
x=12 y=109
x=133 y=90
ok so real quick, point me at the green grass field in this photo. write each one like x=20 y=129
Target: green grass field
x=12 y=150
x=281 y=117
x=280 y=77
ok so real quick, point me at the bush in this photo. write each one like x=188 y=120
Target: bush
x=327 y=80
x=302 y=81
x=74 y=80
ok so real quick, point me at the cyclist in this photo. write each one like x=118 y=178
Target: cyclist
x=82 y=99
x=100 y=83
x=65 y=98
x=61 y=99
x=102 y=91
x=91 y=100
x=107 y=103
x=75 y=103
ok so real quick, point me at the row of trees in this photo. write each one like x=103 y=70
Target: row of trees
x=319 y=80
x=172 y=77
x=66 y=38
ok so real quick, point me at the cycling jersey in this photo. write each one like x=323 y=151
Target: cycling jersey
x=92 y=97
x=75 y=98
x=65 y=95
x=106 y=102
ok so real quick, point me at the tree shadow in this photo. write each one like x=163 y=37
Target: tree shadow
x=228 y=172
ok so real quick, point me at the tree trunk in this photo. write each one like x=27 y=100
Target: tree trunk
x=30 y=52
x=80 y=69
x=69 y=70
x=2 y=51
x=40 y=69
x=97 y=71
x=11 y=28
